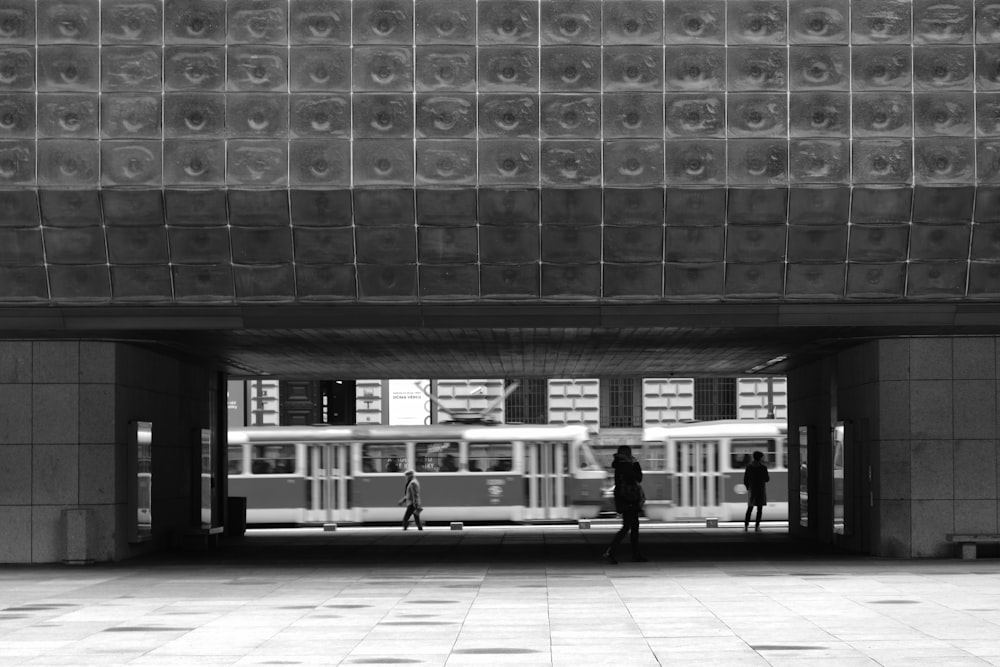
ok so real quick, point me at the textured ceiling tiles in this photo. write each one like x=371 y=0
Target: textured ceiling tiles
x=212 y=151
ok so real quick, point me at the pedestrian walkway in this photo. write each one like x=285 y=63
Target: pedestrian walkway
x=513 y=595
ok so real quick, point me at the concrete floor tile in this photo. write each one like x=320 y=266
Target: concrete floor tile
x=352 y=602
x=710 y=658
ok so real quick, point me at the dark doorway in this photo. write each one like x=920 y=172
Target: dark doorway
x=317 y=402
x=337 y=402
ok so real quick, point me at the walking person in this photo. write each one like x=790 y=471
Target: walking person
x=755 y=478
x=411 y=498
x=629 y=499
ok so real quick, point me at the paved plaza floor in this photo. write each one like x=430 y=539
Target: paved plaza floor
x=512 y=595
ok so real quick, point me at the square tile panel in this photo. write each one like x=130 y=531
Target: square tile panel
x=873 y=120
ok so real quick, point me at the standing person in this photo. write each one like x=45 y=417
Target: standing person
x=755 y=478
x=411 y=498
x=629 y=499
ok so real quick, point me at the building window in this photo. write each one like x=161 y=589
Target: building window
x=714 y=398
x=621 y=402
x=529 y=403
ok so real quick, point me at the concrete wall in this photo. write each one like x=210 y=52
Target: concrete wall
x=666 y=400
x=753 y=395
x=812 y=405
x=64 y=424
x=937 y=441
x=922 y=415
x=575 y=402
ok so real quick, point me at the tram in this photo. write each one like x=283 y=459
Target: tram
x=468 y=472
x=694 y=471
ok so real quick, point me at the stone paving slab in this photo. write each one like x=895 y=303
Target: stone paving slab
x=512 y=595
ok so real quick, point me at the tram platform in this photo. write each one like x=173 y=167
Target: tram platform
x=503 y=595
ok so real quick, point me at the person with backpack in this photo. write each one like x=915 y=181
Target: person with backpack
x=755 y=478
x=411 y=498
x=629 y=499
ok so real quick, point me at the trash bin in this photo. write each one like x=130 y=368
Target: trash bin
x=236 y=516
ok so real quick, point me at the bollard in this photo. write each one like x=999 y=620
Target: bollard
x=329 y=527
x=236 y=516
x=456 y=525
x=584 y=524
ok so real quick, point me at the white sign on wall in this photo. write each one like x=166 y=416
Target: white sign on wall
x=407 y=402
x=236 y=403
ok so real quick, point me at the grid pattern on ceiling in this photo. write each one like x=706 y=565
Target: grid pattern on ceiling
x=527 y=354
x=214 y=151
x=217 y=246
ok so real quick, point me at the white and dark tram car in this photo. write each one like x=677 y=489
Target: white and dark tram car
x=694 y=470
x=468 y=472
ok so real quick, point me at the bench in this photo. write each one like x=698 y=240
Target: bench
x=970 y=541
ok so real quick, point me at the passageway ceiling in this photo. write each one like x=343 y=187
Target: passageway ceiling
x=538 y=340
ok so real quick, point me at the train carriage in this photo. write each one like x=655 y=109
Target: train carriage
x=469 y=472
x=694 y=471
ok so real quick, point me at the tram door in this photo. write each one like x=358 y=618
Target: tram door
x=327 y=475
x=696 y=464
x=546 y=467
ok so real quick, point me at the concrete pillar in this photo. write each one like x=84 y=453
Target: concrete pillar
x=67 y=405
x=921 y=454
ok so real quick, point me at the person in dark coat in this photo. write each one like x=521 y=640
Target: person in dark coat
x=411 y=498
x=755 y=478
x=628 y=478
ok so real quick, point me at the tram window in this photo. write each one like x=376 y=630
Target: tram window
x=605 y=454
x=585 y=458
x=651 y=457
x=437 y=456
x=235 y=460
x=741 y=451
x=272 y=459
x=497 y=457
x=384 y=457
x=698 y=455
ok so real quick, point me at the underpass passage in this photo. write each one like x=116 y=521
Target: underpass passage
x=194 y=188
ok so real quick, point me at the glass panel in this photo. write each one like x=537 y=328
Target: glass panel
x=585 y=459
x=621 y=411
x=141 y=485
x=803 y=476
x=235 y=459
x=741 y=452
x=384 y=457
x=272 y=459
x=528 y=404
x=145 y=469
x=708 y=458
x=493 y=457
x=838 y=478
x=207 y=476
x=652 y=457
x=714 y=398
x=437 y=456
